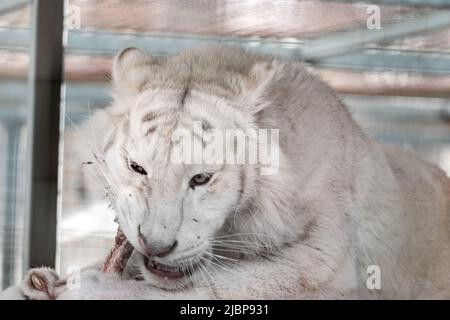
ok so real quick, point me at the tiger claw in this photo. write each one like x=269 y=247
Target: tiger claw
x=42 y=284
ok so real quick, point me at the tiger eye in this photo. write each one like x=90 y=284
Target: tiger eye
x=199 y=179
x=137 y=168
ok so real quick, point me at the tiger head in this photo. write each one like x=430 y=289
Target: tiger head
x=184 y=216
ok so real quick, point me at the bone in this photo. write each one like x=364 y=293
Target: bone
x=117 y=259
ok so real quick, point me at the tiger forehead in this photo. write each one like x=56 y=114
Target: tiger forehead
x=153 y=119
x=149 y=116
x=153 y=116
x=159 y=108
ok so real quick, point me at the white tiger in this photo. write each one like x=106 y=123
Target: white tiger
x=339 y=203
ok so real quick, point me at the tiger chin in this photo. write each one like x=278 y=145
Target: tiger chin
x=337 y=204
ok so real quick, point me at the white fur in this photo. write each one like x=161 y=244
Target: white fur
x=339 y=203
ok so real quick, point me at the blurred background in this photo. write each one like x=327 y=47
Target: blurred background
x=388 y=60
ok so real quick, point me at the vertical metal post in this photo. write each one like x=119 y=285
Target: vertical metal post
x=46 y=73
x=8 y=265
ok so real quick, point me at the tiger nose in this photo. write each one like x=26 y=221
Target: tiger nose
x=155 y=249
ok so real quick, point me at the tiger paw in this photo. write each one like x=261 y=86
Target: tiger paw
x=42 y=284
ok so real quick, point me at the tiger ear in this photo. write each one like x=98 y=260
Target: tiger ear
x=256 y=85
x=131 y=70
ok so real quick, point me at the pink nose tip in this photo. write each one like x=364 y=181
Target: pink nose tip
x=156 y=250
x=143 y=245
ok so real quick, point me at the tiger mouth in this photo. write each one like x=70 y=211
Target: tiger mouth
x=168 y=272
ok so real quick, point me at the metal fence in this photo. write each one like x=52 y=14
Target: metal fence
x=397 y=91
